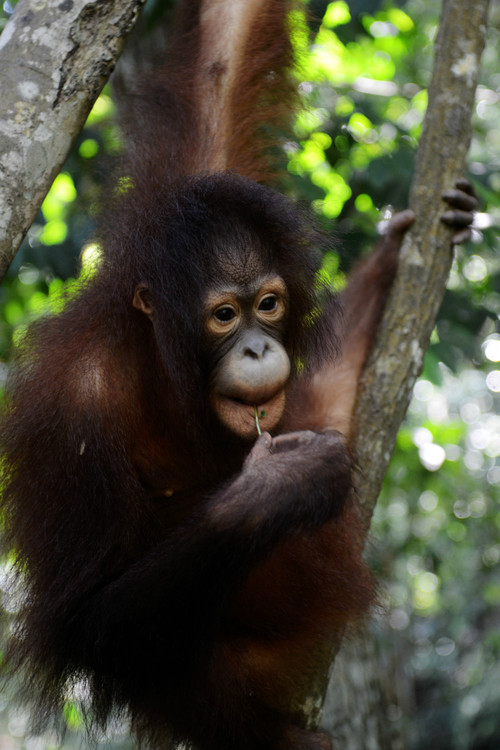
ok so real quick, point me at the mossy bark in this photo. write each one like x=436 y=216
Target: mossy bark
x=55 y=57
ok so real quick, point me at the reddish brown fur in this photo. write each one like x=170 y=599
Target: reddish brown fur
x=208 y=109
x=190 y=579
x=328 y=400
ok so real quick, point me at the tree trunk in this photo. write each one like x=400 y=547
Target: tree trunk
x=426 y=255
x=55 y=57
x=361 y=711
x=360 y=700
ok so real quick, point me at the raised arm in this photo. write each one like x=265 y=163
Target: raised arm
x=203 y=109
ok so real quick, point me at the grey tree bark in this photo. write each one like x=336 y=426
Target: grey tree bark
x=358 y=709
x=426 y=255
x=55 y=57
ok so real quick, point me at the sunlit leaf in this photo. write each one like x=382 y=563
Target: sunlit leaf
x=337 y=13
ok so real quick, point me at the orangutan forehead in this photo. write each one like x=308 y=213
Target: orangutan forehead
x=237 y=265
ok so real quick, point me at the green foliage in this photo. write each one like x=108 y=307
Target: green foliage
x=439 y=519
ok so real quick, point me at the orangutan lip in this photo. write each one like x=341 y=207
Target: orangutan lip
x=252 y=404
x=245 y=418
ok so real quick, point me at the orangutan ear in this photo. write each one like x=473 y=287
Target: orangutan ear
x=142 y=299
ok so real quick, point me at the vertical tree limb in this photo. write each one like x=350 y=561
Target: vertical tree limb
x=356 y=709
x=55 y=57
x=426 y=255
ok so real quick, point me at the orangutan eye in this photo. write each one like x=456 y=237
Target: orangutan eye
x=268 y=303
x=225 y=314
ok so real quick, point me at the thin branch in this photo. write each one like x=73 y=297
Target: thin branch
x=404 y=334
x=55 y=57
x=426 y=255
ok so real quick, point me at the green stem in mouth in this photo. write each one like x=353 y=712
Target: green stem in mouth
x=256 y=413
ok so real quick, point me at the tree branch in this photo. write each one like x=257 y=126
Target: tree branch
x=55 y=57
x=354 y=709
x=426 y=255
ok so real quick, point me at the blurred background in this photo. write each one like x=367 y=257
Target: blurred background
x=436 y=532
